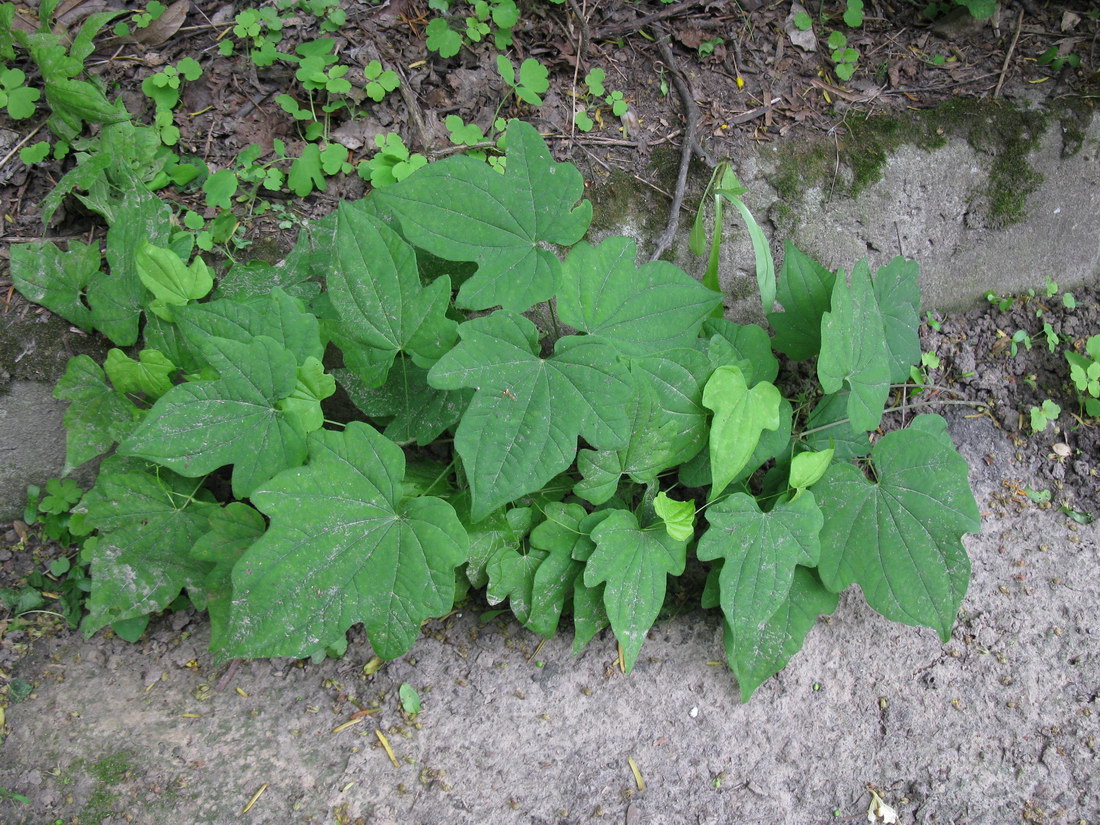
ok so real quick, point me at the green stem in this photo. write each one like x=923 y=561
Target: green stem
x=553 y=319
x=899 y=408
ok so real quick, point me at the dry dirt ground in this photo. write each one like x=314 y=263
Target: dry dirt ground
x=1000 y=725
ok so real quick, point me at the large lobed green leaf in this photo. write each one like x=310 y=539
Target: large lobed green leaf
x=97 y=417
x=375 y=288
x=522 y=424
x=416 y=411
x=756 y=656
x=232 y=530
x=854 y=351
x=57 y=280
x=633 y=564
x=667 y=424
x=116 y=299
x=897 y=290
x=638 y=310
x=276 y=315
x=344 y=547
x=235 y=419
x=147 y=523
x=759 y=551
x=900 y=539
x=460 y=209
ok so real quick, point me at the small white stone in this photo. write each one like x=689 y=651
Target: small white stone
x=693 y=712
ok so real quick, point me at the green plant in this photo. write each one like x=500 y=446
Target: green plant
x=1084 y=371
x=447 y=34
x=1020 y=336
x=1043 y=415
x=380 y=83
x=919 y=373
x=392 y=162
x=1058 y=60
x=707 y=47
x=16 y=97
x=410 y=699
x=843 y=56
x=533 y=79
x=260 y=28
x=13 y=796
x=725 y=187
x=331 y=15
x=60 y=61
x=233 y=486
x=153 y=11
x=164 y=90
x=51 y=507
x=596 y=91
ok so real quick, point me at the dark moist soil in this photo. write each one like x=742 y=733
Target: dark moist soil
x=755 y=85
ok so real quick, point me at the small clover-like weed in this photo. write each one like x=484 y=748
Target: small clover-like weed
x=844 y=57
x=1084 y=371
x=379 y=82
x=533 y=80
x=18 y=99
x=1044 y=415
x=152 y=12
x=469 y=22
x=392 y=162
x=596 y=93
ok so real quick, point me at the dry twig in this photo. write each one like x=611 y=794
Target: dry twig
x=1008 y=57
x=689 y=145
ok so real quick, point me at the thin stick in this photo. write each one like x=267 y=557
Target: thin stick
x=1008 y=57
x=687 y=147
x=944 y=401
x=642 y=22
x=21 y=143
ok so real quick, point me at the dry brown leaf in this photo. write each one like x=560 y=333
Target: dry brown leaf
x=160 y=30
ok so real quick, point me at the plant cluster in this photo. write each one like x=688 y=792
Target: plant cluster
x=569 y=468
x=843 y=56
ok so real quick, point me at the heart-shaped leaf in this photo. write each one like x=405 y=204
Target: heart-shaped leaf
x=344 y=547
x=900 y=538
x=502 y=221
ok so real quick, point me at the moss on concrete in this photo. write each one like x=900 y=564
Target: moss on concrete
x=620 y=198
x=1005 y=134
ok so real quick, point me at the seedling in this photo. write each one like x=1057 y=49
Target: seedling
x=154 y=10
x=392 y=163
x=532 y=82
x=1019 y=337
x=707 y=47
x=596 y=91
x=164 y=89
x=1044 y=415
x=1084 y=371
x=1057 y=61
x=844 y=57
